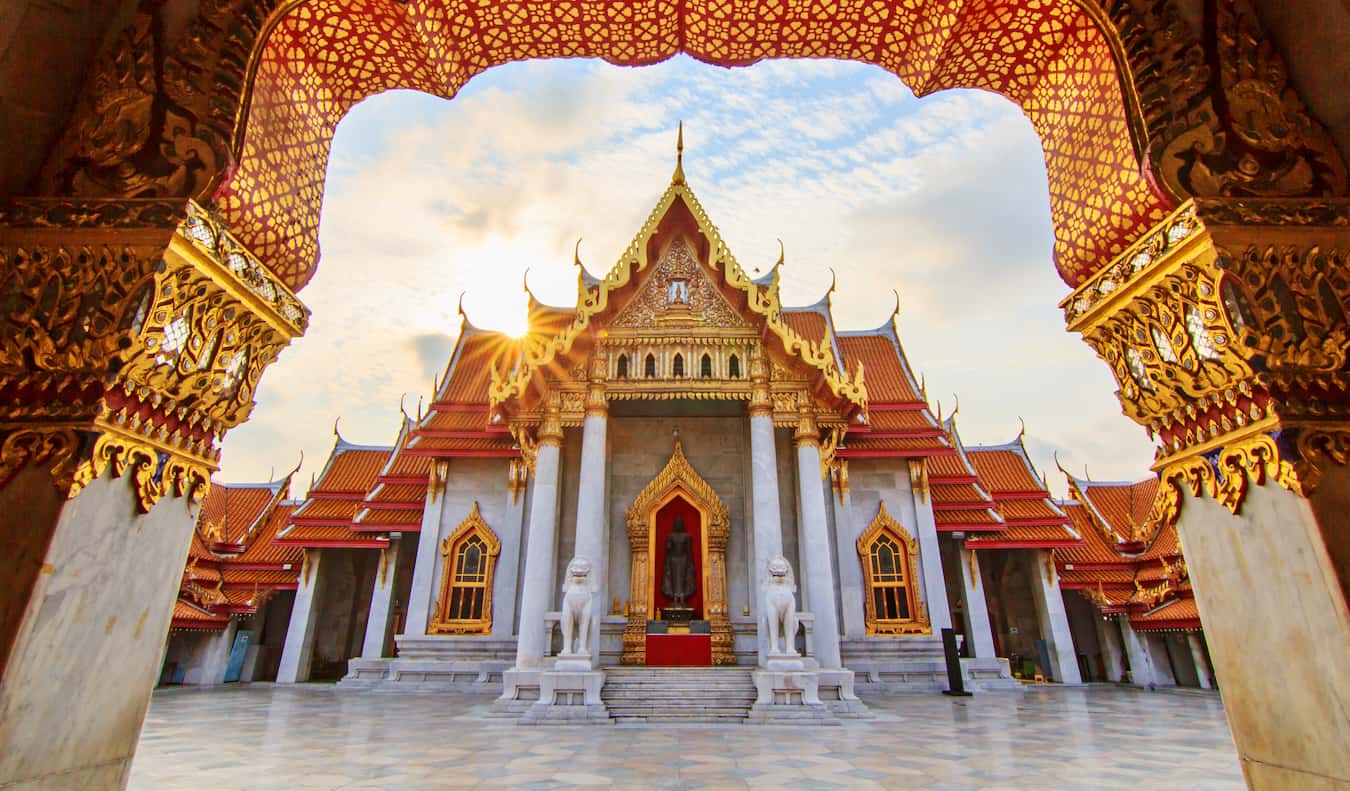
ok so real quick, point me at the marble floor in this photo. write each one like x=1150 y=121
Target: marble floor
x=315 y=736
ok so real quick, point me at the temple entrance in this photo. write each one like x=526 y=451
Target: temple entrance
x=677 y=533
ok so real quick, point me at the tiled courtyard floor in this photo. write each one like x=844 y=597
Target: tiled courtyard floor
x=266 y=737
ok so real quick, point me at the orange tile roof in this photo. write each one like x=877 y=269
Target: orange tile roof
x=864 y=442
x=1030 y=510
x=235 y=578
x=1095 y=549
x=436 y=445
x=954 y=495
x=351 y=468
x=1123 y=506
x=1004 y=469
x=401 y=519
x=1179 y=614
x=900 y=419
x=398 y=493
x=1166 y=543
x=477 y=352
x=327 y=535
x=328 y=511
x=187 y=616
x=477 y=420
x=406 y=465
x=972 y=519
x=885 y=375
x=948 y=467
x=261 y=550
x=1120 y=579
x=1028 y=536
x=806 y=322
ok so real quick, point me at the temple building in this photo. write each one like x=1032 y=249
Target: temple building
x=636 y=482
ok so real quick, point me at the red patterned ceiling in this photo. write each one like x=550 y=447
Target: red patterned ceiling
x=1048 y=56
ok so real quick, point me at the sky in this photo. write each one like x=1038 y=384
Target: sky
x=942 y=199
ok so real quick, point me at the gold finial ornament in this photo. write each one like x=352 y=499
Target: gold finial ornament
x=678 y=176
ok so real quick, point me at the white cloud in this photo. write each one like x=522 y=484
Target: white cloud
x=943 y=199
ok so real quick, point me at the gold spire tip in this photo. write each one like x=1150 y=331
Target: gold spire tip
x=678 y=176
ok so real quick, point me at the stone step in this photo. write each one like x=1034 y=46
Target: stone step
x=678 y=695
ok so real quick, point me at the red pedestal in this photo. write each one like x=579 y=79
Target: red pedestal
x=679 y=650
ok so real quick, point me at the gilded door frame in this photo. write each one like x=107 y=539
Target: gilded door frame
x=678 y=479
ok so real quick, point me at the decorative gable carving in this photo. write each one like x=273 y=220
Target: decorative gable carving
x=678 y=292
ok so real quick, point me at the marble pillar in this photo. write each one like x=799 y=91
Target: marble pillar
x=212 y=658
x=930 y=556
x=592 y=542
x=507 y=573
x=379 y=624
x=815 y=550
x=1202 y=672
x=1156 y=645
x=1054 y=621
x=766 y=508
x=1108 y=637
x=851 y=583
x=1141 y=662
x=540 y=546
x=979 y=634
x=422 y=593
x=299 y=648
x=87 y=638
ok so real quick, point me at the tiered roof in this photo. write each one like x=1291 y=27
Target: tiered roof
x=1129 y=563
x=325 y=518
x=233 y=564
x=396 y=501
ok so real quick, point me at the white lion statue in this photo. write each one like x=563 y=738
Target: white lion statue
x=780 y=606
x=578 y=600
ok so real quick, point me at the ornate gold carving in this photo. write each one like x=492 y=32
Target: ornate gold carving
x=440 y=471
x=459 y=572
x=154 y=351
x=1250 y=462
x=918 y=478
x=833 y=437
x=839 y=479
x=56 y=449
x=678 y=478
x=1316 y=448
x=761 y=302
x=550 y=428
x=517 y=479
x=696 y=300
x=885 y=528
x=808 y=431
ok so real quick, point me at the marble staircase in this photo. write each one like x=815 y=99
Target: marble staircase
x=678 y=694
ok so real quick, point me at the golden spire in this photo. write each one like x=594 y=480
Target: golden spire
x=678 y=176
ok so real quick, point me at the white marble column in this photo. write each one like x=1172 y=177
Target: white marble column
x=815 y=549
x=1108 y=637
x=508 y=564
x=766 y=510
x=930 y=556
x=1054 y=621
x=213 y=657
x=592 y=542
x=299 y=648
x=379 y=624
x=1141 y=663
x=979 y=634
x=1156 y=645
x=851 y=593
x=1201 y=661
x=422 y=593
x=540 y=544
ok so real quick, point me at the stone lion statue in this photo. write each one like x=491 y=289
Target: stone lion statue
x=578 y=600
x=779 y=618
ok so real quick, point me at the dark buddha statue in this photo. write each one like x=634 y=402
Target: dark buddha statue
x=677 y=577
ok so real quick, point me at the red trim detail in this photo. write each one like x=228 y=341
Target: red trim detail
x=459 y=406
x=376 y=527
x=374 y=543
x=403 y=480
x=442 y=453
x=1022 y=544
x=874 y=453
x=898 y=406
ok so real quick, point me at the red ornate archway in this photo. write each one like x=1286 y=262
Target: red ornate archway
x=1057 y=59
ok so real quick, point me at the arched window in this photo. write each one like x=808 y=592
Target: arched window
x=705 y=367
x=734 y=367
x=649 y=367
x=893 y=604
x=468 y=558
x=677 y=367
x=622 y=371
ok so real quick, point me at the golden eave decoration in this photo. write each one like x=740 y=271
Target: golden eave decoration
x=762 y=302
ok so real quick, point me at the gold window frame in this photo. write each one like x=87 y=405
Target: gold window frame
x=472 y=526
x=884 y=525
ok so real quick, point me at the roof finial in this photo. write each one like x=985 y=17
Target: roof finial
x=896 y=310
x=576 y=256
x=939 y=411
x=461 y=306
x=678 y=176
x=1088 y=476
x=956 y=408
x=834 y=282
x=401 y=410
x=335 y=428
x=1023 y=431
x=1060 y=466
x=923 y=385
x=419 y=408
